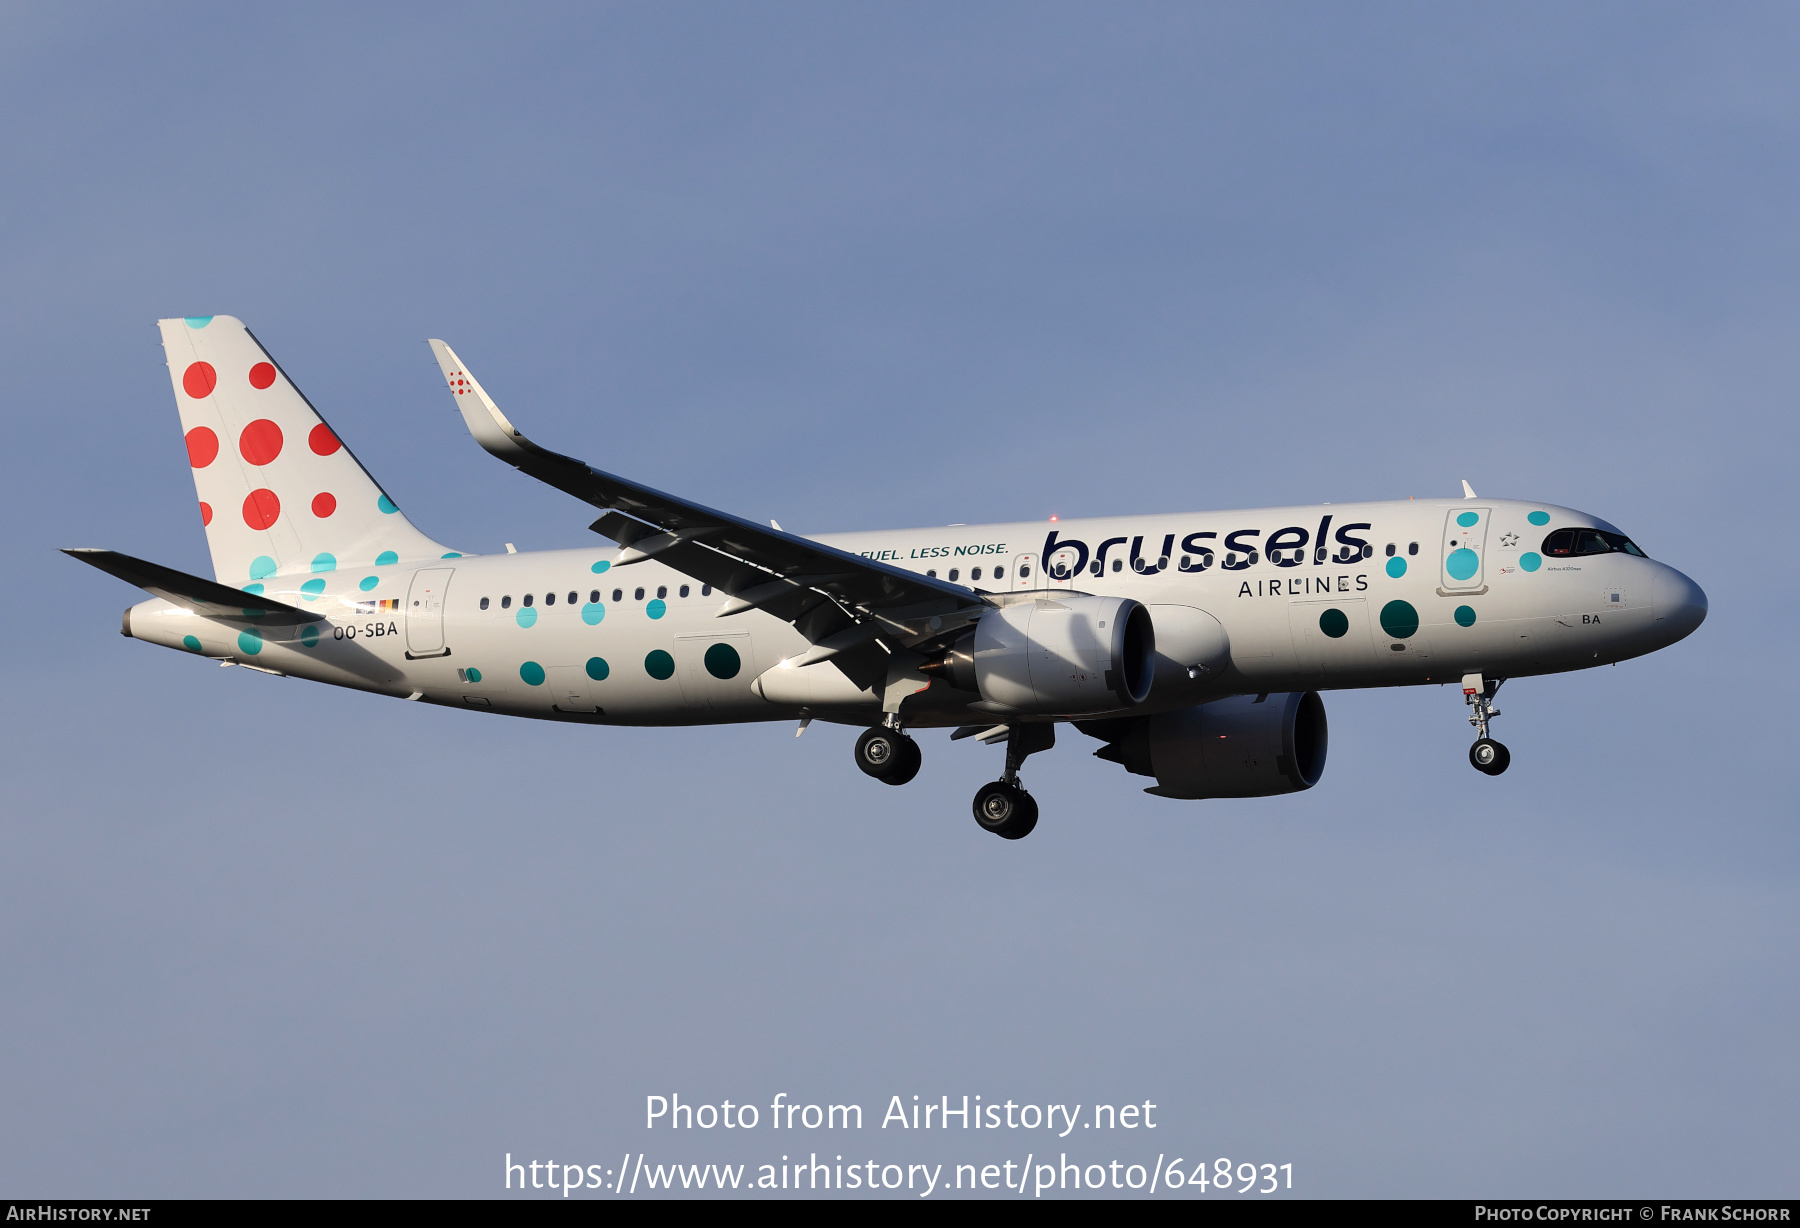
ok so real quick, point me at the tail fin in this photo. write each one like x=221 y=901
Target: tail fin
x=279 y=493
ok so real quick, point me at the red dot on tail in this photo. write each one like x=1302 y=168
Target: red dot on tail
x=262 y=375
x=205 y=513
x=199 y=380
x=261 y=442
x=324 y=504
x=261 y=509
x=203 y=446
x=322 y=441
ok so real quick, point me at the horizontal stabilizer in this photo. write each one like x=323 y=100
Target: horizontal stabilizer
x=202 y=596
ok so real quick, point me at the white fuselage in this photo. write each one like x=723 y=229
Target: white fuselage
x=640 y=644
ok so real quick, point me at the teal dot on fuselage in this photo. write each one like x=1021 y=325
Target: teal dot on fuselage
x=1396 y=567
x=593 y=612
x=387 y=558
x=600 y=567
x=1539 y=518
x=1465 y=616
x=324 y=562
x=1334 y=623
x=368 y=582
x=722 y=661
x=198 y=321
x=1399 y=619
x=471 y=674
x=532 y=673
x=309 y=636
x=656 y=609
x=250 y=640
x=253 y=588
x=1462 y=564
x=659 y=665
x=598 y=669
x=260 y=566
x=311 y=589
x=386 y=506
x=1467 y=520
x=527 y=616
x=191 y=643
x=1531 y=560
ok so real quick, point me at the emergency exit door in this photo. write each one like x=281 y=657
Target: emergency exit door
x=425 y=612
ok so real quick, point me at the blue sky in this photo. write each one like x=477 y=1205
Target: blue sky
x=856 y=266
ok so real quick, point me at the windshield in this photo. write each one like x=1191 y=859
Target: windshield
x=1567 y=543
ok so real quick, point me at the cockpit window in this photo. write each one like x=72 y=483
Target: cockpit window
x=1568 y=543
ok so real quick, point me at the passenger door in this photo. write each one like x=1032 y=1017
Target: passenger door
x=1025 y=574
x=1465 y=550
x=425 y=612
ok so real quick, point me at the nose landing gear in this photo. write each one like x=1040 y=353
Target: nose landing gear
x=1486 y=755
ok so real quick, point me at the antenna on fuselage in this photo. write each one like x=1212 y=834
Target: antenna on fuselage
x=1469 y=491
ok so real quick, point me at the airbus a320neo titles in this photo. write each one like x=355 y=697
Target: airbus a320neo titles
x=1192 y=646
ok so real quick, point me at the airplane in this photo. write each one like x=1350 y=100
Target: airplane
x=1193 y=647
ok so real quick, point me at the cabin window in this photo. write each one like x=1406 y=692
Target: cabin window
x=684 y=590
x=1319 y=555
x=484 y=603
x=527 y=600
x=662 y=590
x=975 y=573
x=506 y=603
x=954 y=573
x=931 y=572
x=999 y=573
x=1118 y=564
x=549 y=598
x=594 y=597
x=1025 y=571
x=574 y=597
x=618 y=594
x=1368 y=551
x=706 y=590
x=1390 y=550
x=1412 y=547
x=637 y=594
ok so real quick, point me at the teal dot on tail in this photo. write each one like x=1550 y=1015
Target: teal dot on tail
x=260 y=566
x=386 y=506
x=598 y=669
x=198 y=321
x=592 y=613
x=253 y=588
x=191 y=643
x=309 y=636
x=1531 y=560
x=324 y=562
x=1396 y=567
x=250 y=641
x=311 y=589
x=387 y=558
x=600 y=567
x=532 y=673
x=368 y=582
x=1399 y=619
x=659 y=665
x=1462 y=564
x=1465 y=616
x=527 y=616
x=656 y=608
x=1539 y=518
x=1467 y=520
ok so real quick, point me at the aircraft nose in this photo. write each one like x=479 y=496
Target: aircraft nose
x=1680 y=605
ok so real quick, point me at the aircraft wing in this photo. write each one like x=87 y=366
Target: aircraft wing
x=828 y=594
x=206 y=597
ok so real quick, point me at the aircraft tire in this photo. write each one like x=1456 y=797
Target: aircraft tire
x=1489 y=756
x=881 y=751
x=907 y=766
x=1006 y=810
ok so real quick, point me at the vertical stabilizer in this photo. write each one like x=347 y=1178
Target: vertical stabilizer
x=279 y=492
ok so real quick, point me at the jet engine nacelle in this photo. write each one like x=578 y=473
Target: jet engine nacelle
x=1237 y=747
x=1066 y=655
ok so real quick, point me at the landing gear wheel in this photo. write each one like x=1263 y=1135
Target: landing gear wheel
x=883 y=753
x=908 y=764
x=1489 y=756
x=1006 y=810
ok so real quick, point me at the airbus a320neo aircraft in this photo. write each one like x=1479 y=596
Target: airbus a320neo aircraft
x=1193 y=646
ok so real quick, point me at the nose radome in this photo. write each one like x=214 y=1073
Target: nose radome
x=1680 y=605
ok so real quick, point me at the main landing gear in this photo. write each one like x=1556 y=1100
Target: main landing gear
x=1002 y=806
x=888 y=755
x=1486 y=755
